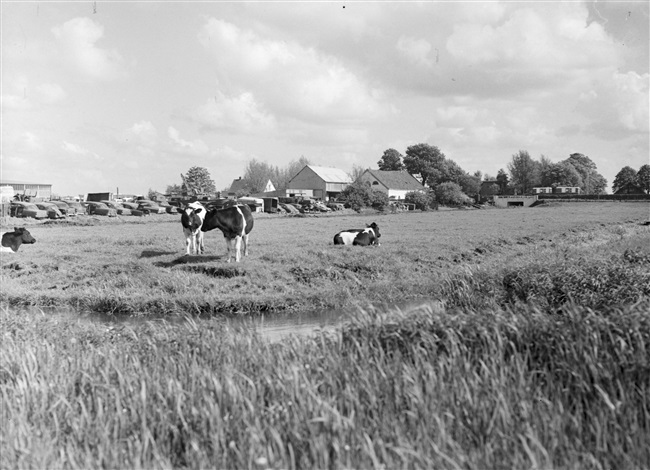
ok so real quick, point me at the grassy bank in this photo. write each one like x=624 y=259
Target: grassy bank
x=536 y=353
x=139 y=268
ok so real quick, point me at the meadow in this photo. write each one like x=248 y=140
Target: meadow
x=533 y=350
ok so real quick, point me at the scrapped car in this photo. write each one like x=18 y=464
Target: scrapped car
x=150 y=207
x=27 y=209
x=99 y=208
x=64 y=207
x=52 y=210
x=75 y=208
x=133 y=207
x=121 y=210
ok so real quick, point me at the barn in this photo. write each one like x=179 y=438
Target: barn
x=319 y=182
x=40 y=191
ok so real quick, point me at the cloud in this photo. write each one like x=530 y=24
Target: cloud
x=286 y=77
x=415 y=50
x=239 y=114
x=77 y=38
x=187 y=147
x=551 y=39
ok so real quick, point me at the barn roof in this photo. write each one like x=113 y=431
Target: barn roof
x=331 y=175
x=236 y=185
x=396 y=179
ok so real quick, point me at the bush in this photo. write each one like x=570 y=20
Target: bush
x=360 y=194
x=451 y=194
x=422 y=201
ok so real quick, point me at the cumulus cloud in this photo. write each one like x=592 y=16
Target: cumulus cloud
x=188 y=147
x=287 y=77
x=77 y=38
x=240 y=113
x=415 y=50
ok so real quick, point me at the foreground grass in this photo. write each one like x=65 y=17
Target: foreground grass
x=432 y=389
x=140 y=268
x=528 y=358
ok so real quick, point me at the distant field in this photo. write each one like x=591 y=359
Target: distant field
x=138 y=266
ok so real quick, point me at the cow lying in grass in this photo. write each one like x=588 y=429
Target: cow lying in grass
x=192 y=220
x=359 y=236
x=235 y=222
x=11 y=241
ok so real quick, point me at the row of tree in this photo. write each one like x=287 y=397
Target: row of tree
x=432 y=168
x=577 y=171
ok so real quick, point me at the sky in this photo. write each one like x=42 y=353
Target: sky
x=125 y=96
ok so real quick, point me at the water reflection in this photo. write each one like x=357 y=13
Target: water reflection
x=279 y=326
x=273 y=327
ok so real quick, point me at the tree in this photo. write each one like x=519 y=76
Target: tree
x=450 y=194
x=257 y=175
x=587 y=170
x=287 y=173
x=598 y=184
x=174 y=189
x=502 y=180
x=626 y=175
x=198 y=181
x=391 y=160
x=560 y=174
x=425 y=161
x=356 y=172
x=524 y=172
x=643 y=178
x=471 y=185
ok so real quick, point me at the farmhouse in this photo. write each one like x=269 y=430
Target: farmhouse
x=319 y=182
x=630 y=188
x=394 y=183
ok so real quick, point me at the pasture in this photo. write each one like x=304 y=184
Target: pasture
x=533 y=351
x=140 y=268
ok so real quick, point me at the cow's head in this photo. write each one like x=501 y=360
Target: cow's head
x=24 y=235
x=375 y=229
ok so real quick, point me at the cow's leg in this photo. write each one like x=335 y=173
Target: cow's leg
x=199 y=238
x=244 y=240
x=228 y=245
x=197 y=242
x=188 y=242
x=238 y=248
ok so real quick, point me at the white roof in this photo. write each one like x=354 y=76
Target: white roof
x=331 y=175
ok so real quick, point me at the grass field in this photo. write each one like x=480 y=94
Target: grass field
x=534 y=351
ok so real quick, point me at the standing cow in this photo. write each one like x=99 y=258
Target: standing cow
x=235 y=222
x=192 y=217
x=359 y=236
x=11 y=241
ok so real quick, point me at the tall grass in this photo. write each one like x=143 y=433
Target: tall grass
x=428 y=388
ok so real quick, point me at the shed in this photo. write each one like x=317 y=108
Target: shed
x=394 y=183
x=319 y=182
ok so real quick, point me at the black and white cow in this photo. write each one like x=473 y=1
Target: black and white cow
x=11 y=241
x=235 y=222
x=192 y=217
x=359 y=236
